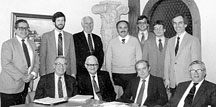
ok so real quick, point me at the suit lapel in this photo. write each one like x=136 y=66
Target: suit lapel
x=183 y=43
x=53 y=41
x=66 y=42
x=84 y=41
x=199 y=93
x=19 y=48
x=135 y=87
x=52 y=83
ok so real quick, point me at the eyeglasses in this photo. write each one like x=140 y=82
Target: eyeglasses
x=60 y=64
x=23 y=28
x=198 y=70
x=92 y=64
x=142 y=22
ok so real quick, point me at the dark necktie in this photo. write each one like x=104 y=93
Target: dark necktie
x=143 y=38
x=90 y=43
x=25 y=49
x=123 y=41
x=60 y=46
x=188 y=100
x=177 y=46
x=160 y=45
x=96 y=88
x=140 y=95
x=60 y=91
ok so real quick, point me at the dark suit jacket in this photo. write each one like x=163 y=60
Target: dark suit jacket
x=48 y=53
x=105 y=85
x=82 y=50
x=156 y=92
x=206 y=95
x=46 y=86
x=14 y=66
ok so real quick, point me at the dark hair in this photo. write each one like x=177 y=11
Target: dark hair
x=159 y=22
x=182 y=15
x=122 y=21
x=143 y=17
x=142 y=61
x=57 y=15
x=19 y=21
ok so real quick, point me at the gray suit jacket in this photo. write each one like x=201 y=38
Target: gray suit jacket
x=150 y=35
x=48 y=53
x=176 y=67
x=155 y=58
x=14 y=66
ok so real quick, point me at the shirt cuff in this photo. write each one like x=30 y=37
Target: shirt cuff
x=34 y=74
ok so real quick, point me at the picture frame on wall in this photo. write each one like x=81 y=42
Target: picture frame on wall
x=38 y=24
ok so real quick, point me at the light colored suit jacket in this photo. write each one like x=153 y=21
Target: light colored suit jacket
x=176 y=67
x=155 y=58
x=14 y=66
x=48 y=53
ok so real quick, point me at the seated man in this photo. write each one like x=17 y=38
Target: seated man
x=96 y=82
x=195 y=93
x=57 y=84
x=145 y=90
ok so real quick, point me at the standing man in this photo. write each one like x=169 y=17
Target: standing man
x=57 y=84
x=145 y=90
x=20 y=65
x=122 y=54
x=96 y=82
x=57 y=42
x=87 y=43
x=154 y=49
x=143 y=27
x=196 y=93
x=182 y=49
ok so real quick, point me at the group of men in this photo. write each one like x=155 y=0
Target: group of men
x=145 y=67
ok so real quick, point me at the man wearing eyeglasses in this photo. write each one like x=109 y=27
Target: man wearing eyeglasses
x=57 y=84
x=196 y=93
x=20 y=63
x=96 y=82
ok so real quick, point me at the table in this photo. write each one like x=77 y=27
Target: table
x=90 y=103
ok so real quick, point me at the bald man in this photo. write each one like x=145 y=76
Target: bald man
x=104 y=89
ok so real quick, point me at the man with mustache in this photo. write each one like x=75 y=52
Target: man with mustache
x=57 y=42
x=121 y=55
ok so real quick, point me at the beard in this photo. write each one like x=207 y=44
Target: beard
x=59 y=26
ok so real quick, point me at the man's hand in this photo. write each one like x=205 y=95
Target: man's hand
x=27 y=78
x=167 y=83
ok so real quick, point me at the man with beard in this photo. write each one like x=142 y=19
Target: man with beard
x=57 y=42
x=122 y=54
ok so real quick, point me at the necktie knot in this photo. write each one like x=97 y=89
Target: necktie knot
x=123 y=41
x=93 y=77
x=178 y=38
x=23 y=40
x=60 y=35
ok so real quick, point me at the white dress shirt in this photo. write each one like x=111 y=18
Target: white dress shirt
x=140 y=35
x=181 y=38
x=63 y=86
x=30 y=51
x=181 y=102
x=162 y=41
x=126 y=38
x=145 y=90
x=56 y=38
x=96 y=79
x=86 y=36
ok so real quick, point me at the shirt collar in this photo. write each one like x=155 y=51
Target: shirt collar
x=162 y=38
x=181 y=35
x=126 y=38
x=20 y=39
x=57 y=32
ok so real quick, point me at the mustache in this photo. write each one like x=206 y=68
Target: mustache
x=122 y=31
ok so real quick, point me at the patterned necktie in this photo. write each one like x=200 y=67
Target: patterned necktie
x=188 y=100
x=60 y=46
x=90 y=43
x=177 y=46
x=25 y=49
x=123 y=41
x=96 y=88
x=60 y=91
x=140 y=95
x=160 y=45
